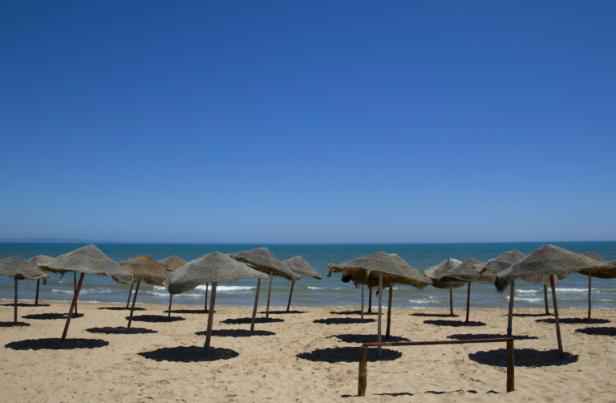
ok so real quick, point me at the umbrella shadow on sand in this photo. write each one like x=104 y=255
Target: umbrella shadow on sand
x=189 y=311
x=530 y=315
x=348 y=354
x=56 y=344
x=247 y=321
x=471 y=336
x=14 y=324
x=155 y=318
x=526 y=357
x=120 y=308
x=454 y=323
x=434 y=315
x=51 y=316
x=366 y=338
x=352 y=313
x=342 y=321
x=574 y=321
x=26 y=305
x=598 y=331
x=120 y=330
x=190 y=354
x=283 y=312
x=236 y=333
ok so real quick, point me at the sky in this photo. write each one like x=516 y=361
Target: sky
x=320 y=121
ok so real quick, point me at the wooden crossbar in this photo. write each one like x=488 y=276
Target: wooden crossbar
x=362 y=383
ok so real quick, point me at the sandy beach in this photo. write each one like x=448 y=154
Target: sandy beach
x=282 y=366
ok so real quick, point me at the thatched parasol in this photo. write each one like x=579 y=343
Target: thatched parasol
x=146 y=269
x=302 y=268
x=603 y=270
x=468 y=271
x=261 y=259
x=212 y=268
x=41 y=261
x=85 y=260
x=19 y=269
x=547 y=263
x=381 y=267
x=172 y=263
x=437 y=274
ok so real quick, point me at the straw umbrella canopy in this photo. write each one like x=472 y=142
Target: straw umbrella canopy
x=46 y=263
x=547 y=263
x=19 y=269
x=379 y=268
x=261 y=259
x=214 y=268
x=84 y=260
x=172 y=263
x=437 y=275
x=604 y=270
x=302 y=268
x=468 y=271
x=146 y=269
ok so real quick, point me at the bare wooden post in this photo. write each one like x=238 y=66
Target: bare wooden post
x=451 y=302
x=290 y=295
x=361 y=309
x=36 y=295
x=369 y=299
x=380 y=339
x=545 y=299
x=256 y=305
x=170 y=303
x=510 y=315
x=132 y=307
x=15 y=304
x=130 y=291
x=75 y=289
x=510 y=367
x=555 y=304
x=73 y=306
x=589 y=297
x=205 y=298
x=210 y=316
x=362 y=382
x=390 y=297
x=269 y=297
x=468 y=300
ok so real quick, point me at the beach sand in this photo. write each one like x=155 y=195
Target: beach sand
x=269 y=367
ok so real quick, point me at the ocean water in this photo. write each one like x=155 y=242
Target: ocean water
x=328 y=291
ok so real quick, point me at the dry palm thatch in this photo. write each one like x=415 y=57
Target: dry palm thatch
x=605 y=270
x=261 y=259
x=212 y=268
x=501 y=262
x=301 y=267
x=468 y=271
x=19 y=269
x=437 y=275
x=383 y=267
x=547 y=263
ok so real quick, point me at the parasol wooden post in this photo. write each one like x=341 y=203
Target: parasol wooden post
x=451 y=302
x=510 y=367
x=468 y=300
x=256 y=305
x=15 y=299
x=292 y=286
x=210 y=316
x=132 y=306
x=380 y=339
x=36 y=295
x=589 y=297
x=510 y=314
x=390 y=297
x=362 y=382
x=73 y=306
x=205 y=297
x=269 y=297
x=361 y=309
x=75 y=289
x=545 y=299
x=130 y=291
x=556 y=321
x=369 y=299
x=169 y=308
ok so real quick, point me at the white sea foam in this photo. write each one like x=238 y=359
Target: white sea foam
x=424 y=301
x=561 y=289
x=84 y=291
x=530 y=300
x=521 y=291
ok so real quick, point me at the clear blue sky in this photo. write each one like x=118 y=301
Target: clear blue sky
x=337 y=121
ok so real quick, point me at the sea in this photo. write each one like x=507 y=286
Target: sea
x=329 y=291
